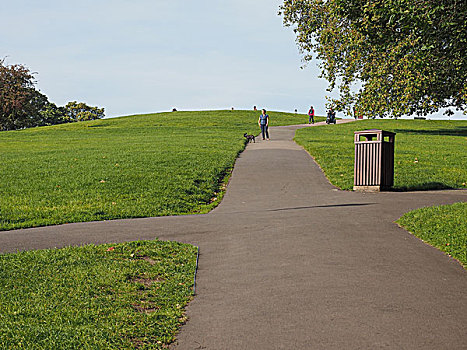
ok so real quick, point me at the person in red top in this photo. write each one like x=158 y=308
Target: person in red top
x=311 y=114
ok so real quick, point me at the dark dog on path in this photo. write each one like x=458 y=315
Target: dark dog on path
x=249 y=138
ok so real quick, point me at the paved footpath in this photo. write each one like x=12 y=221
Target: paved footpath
x=289 y=262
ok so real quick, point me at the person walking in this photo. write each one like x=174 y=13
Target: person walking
x=263 y=123
x=311 y=114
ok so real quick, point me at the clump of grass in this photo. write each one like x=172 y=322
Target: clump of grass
x=121 y=296
x=444 y=227
x=428 y=154
x=135 y=166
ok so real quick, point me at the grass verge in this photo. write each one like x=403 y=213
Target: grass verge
x=121 y=296
x=135 y=166
x=428 y=154
x=444 y=227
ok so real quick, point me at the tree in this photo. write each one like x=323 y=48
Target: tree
x=386 y=57
x=22 y=106
x=47 y=112
x=16 y=94
x=80 y=111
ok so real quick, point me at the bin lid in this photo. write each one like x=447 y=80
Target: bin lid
x=374 y=132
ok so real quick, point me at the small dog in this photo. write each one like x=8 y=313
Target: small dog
x=249 y=138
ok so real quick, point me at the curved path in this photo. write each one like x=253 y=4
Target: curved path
x=289 y=262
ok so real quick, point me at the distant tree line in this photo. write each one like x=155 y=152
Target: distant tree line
x=22 y=106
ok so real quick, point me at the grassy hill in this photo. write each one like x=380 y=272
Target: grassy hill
x=134 y=166
x=176 y=163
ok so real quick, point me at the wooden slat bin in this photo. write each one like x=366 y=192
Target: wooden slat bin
x=374 y=160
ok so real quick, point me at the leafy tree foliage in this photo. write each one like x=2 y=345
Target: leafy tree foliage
x=22 y=106
x=386 y=57
x=16 y=94
x=47 y=113
x=80 y=111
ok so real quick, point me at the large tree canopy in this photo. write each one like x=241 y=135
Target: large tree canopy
x=386 y=57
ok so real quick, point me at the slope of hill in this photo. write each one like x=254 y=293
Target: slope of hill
x=134 y=166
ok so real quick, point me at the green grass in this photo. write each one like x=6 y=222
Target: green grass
x=135 y=166
x=428 y=154
x=444 y=227
x=121 y=296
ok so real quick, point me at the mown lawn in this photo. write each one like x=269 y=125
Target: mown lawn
x=428 y=154
x=444 y=227
x=135 y=166
x=122 y=296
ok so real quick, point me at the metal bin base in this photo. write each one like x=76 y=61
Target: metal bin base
x=371 y=188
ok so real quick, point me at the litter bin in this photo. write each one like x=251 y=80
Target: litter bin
x=374 y=160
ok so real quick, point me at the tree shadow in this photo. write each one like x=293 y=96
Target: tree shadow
x=455 y=131
x=427 y=186
x=97 y=126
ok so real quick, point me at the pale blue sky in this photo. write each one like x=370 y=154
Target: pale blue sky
x=146 y=56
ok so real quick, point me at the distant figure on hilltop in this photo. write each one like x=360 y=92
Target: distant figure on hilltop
x=263 y=123
x=254 y=108
x=174 y=109
x=311 y=115
x=331 y=117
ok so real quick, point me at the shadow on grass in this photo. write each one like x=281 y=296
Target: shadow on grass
x=428 y=186
x=455 y=131
x=96 y=126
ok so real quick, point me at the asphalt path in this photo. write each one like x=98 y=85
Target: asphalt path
x=287 y=261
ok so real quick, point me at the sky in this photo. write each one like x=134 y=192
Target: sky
x=144 y=56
